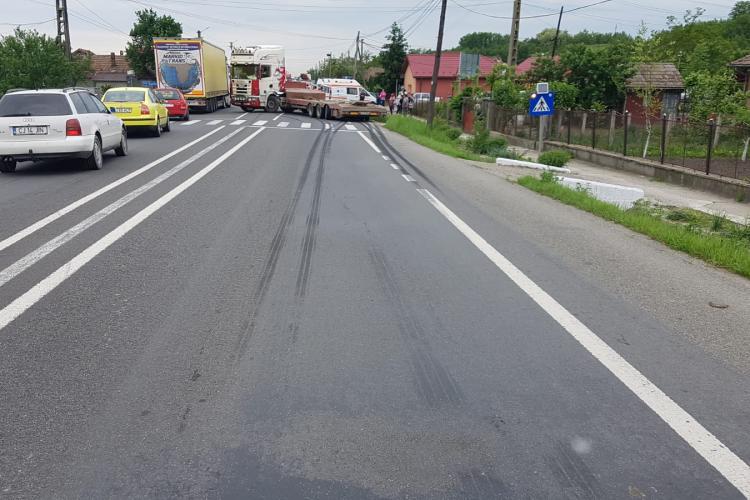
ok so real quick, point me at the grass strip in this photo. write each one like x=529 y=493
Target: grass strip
x=436 y=138
x=729 y=253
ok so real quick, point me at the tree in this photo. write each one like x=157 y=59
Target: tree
x=32 y=60
x=392 y=57
x=740 y=9
x=566 y=94
x=507 y=94
x=140 y=50
x=484 y=43
x=546 y=69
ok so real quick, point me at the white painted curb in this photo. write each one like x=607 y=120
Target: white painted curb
x=622 y=196
x=507 y=162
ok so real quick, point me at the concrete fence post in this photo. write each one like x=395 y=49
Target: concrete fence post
x=711 y=131
x=625 y=123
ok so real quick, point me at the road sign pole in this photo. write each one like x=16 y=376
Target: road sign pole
x=540 y=144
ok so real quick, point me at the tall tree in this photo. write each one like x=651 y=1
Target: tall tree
x=393 y=56
x=484 y=43
x=35 y=61
x=140 y=50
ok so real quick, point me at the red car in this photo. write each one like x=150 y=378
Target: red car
x=175 y=102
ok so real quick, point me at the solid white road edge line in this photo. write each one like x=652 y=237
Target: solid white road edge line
x=10 y=240
x=48 y=284
x=47 y=248
x=732 y=467
x=368 y=141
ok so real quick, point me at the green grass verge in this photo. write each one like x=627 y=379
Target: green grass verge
x=723 y=243
x=435 y=138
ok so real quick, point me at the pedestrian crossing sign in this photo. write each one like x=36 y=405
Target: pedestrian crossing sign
x=542 y=104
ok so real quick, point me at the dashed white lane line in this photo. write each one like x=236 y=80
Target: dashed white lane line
x=408 y=178
x=283 y=124
x=238 y=122
x=48 y=284
x=368 y=141
x=214 y=122
x=306 y=125
x=260 y=123
x=386 y=158
x=716 y=453
x=82 y=201
x=47 y=248
x=278 y=116
x=190 y=122
x=395 y=167
x=349 y=126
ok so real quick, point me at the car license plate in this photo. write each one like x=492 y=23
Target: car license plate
x=169 y=105
x=31 y=130
x=123 y=110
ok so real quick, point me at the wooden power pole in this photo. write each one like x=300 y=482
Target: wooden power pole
x=513 y=46
x=436 y=67
x=63 y=28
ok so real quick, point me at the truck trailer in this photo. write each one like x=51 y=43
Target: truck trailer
x=196 y=68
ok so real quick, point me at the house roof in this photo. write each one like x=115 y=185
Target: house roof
x=658 y=76
x=422 y=64
x=527 y=64
x=109 y=77
x=742 y=62
x=105 y=63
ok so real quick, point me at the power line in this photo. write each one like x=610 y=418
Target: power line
x=100 y=17
x=529 y=17
x=28 y=24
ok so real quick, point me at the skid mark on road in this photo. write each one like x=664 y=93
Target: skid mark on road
x=308 y=244
x=575 y=476
x=434 y=383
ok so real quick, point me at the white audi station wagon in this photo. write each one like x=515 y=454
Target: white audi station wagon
x=64 y=123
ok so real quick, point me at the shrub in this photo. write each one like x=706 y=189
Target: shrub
x=555 y=158
x=453 y=133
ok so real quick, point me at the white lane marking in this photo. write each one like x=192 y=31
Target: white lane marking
x=716 y=453
x=238 y=122
x=349 y=126
x=306 y=125
x=368 y=141
x=41 y=289
x=242 y=116
x=47 y=248
x=214 y=122
x=386 y=158
x=278 y=116
x=69 y=208
x=283 y=124
x=408 y=178
x=328 y=125
x=260 y=123
x=189 y=122
x=395 y=167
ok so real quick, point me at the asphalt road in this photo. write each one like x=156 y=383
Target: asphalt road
x=287 y=308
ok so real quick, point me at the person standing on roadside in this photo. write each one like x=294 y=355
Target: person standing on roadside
x=381 y=97
x=391 y=103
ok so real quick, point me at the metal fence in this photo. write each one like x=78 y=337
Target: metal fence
x=709 y=147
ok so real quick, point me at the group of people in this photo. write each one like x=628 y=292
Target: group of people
x=402 y=103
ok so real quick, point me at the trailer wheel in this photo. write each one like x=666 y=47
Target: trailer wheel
x=272 y=104
x=312 y=112
x=325 y=113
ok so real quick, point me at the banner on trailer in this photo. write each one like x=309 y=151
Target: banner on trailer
x=179 y=66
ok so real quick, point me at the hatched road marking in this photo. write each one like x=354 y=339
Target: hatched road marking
x=349 y=126
x=214 y=122
x=190 y=122
x=306 y=125
x=283 y=124
x=237 y=122
x=260 y=123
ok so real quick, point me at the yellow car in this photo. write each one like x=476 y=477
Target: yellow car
x=138 y=108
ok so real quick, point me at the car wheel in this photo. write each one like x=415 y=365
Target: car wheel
x=168 y=126
x=95 y=161
x=272 y=104
x=187 y=116
x=7 y=166
x=122 y=149
x=156 y=131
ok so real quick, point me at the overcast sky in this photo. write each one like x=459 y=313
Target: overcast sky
x=310 y=28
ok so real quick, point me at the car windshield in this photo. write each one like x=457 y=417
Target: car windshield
x=34 y=105
x=169 y=95
x=125 y=96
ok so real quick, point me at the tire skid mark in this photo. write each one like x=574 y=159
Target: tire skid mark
x=434 y=383
x=477 y=484
x=379 y=138
x=313 y=218
x=575 y=475
x=279 y=238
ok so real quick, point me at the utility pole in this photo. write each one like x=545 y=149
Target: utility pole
x=557 y=33
x=436 y=67
x=356 y=56
x=63 y=28
x=513 y=47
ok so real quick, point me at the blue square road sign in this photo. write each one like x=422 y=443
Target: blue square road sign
x=542 y=104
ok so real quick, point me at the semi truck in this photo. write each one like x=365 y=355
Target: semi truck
x=196 y=68
x=259 y=81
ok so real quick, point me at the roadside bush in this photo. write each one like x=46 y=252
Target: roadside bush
x=453 y=133
x=555 y=158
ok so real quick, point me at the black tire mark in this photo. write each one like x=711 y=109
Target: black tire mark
x=269 y=268
x=434 y=384
x=313 y=219
x=380 y=140
x=575 y=475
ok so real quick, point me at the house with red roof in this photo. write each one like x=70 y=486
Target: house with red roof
x=528 y=64
x=418 y=72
